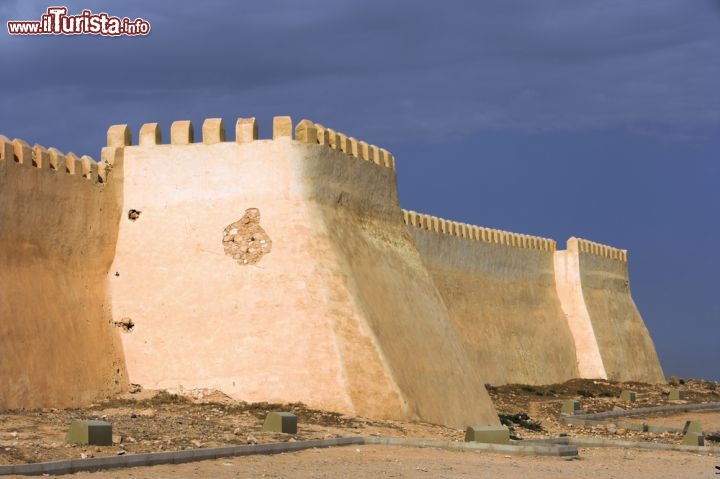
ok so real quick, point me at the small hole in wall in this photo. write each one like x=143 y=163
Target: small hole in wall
x=134 y=214
x=117 y=274
x=126 y=324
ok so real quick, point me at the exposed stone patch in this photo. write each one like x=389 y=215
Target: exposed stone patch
x=245 y=240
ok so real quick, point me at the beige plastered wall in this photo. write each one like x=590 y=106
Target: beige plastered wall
x=624 y=343
x=339 y=315
x=503 y=304
x=570 y=293
x=58 y=346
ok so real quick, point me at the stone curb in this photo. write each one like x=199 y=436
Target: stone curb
x=176 y=457
x=560 y=447
x=630 y=426
x=563 y=440
x=603 y=418
x=642 y=445
x=515 y=449
x=69 y=466
x=647 y=410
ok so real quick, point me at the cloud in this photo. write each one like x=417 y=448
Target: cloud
x=463 y=67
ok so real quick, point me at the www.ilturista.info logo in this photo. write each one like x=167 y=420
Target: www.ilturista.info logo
x=57 y=22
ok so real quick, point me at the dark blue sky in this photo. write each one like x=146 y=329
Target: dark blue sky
x=598 y=119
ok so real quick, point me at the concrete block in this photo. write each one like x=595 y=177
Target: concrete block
x=628 y=396
x=28 y=469
x=571 y=407
x=676 y=395
x=280 y=422
x=693 y=439
x=96 y=433
x=488 y=434
x=692 y=426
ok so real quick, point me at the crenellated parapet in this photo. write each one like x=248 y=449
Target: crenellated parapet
x=38 y=157
x=590 y=247
x=183 y=133
x=246 y=130
x=315 y=133
x=477 y=233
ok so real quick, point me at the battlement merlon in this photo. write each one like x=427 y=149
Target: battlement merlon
x=246 y=130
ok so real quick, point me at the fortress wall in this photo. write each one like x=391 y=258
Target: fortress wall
x=393 y=292
x=339 y=314
x=499 y=288
x=58 y=217
x=627 y=351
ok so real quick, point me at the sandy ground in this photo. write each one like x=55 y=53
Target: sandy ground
x=376 y=461
x=152 y=421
